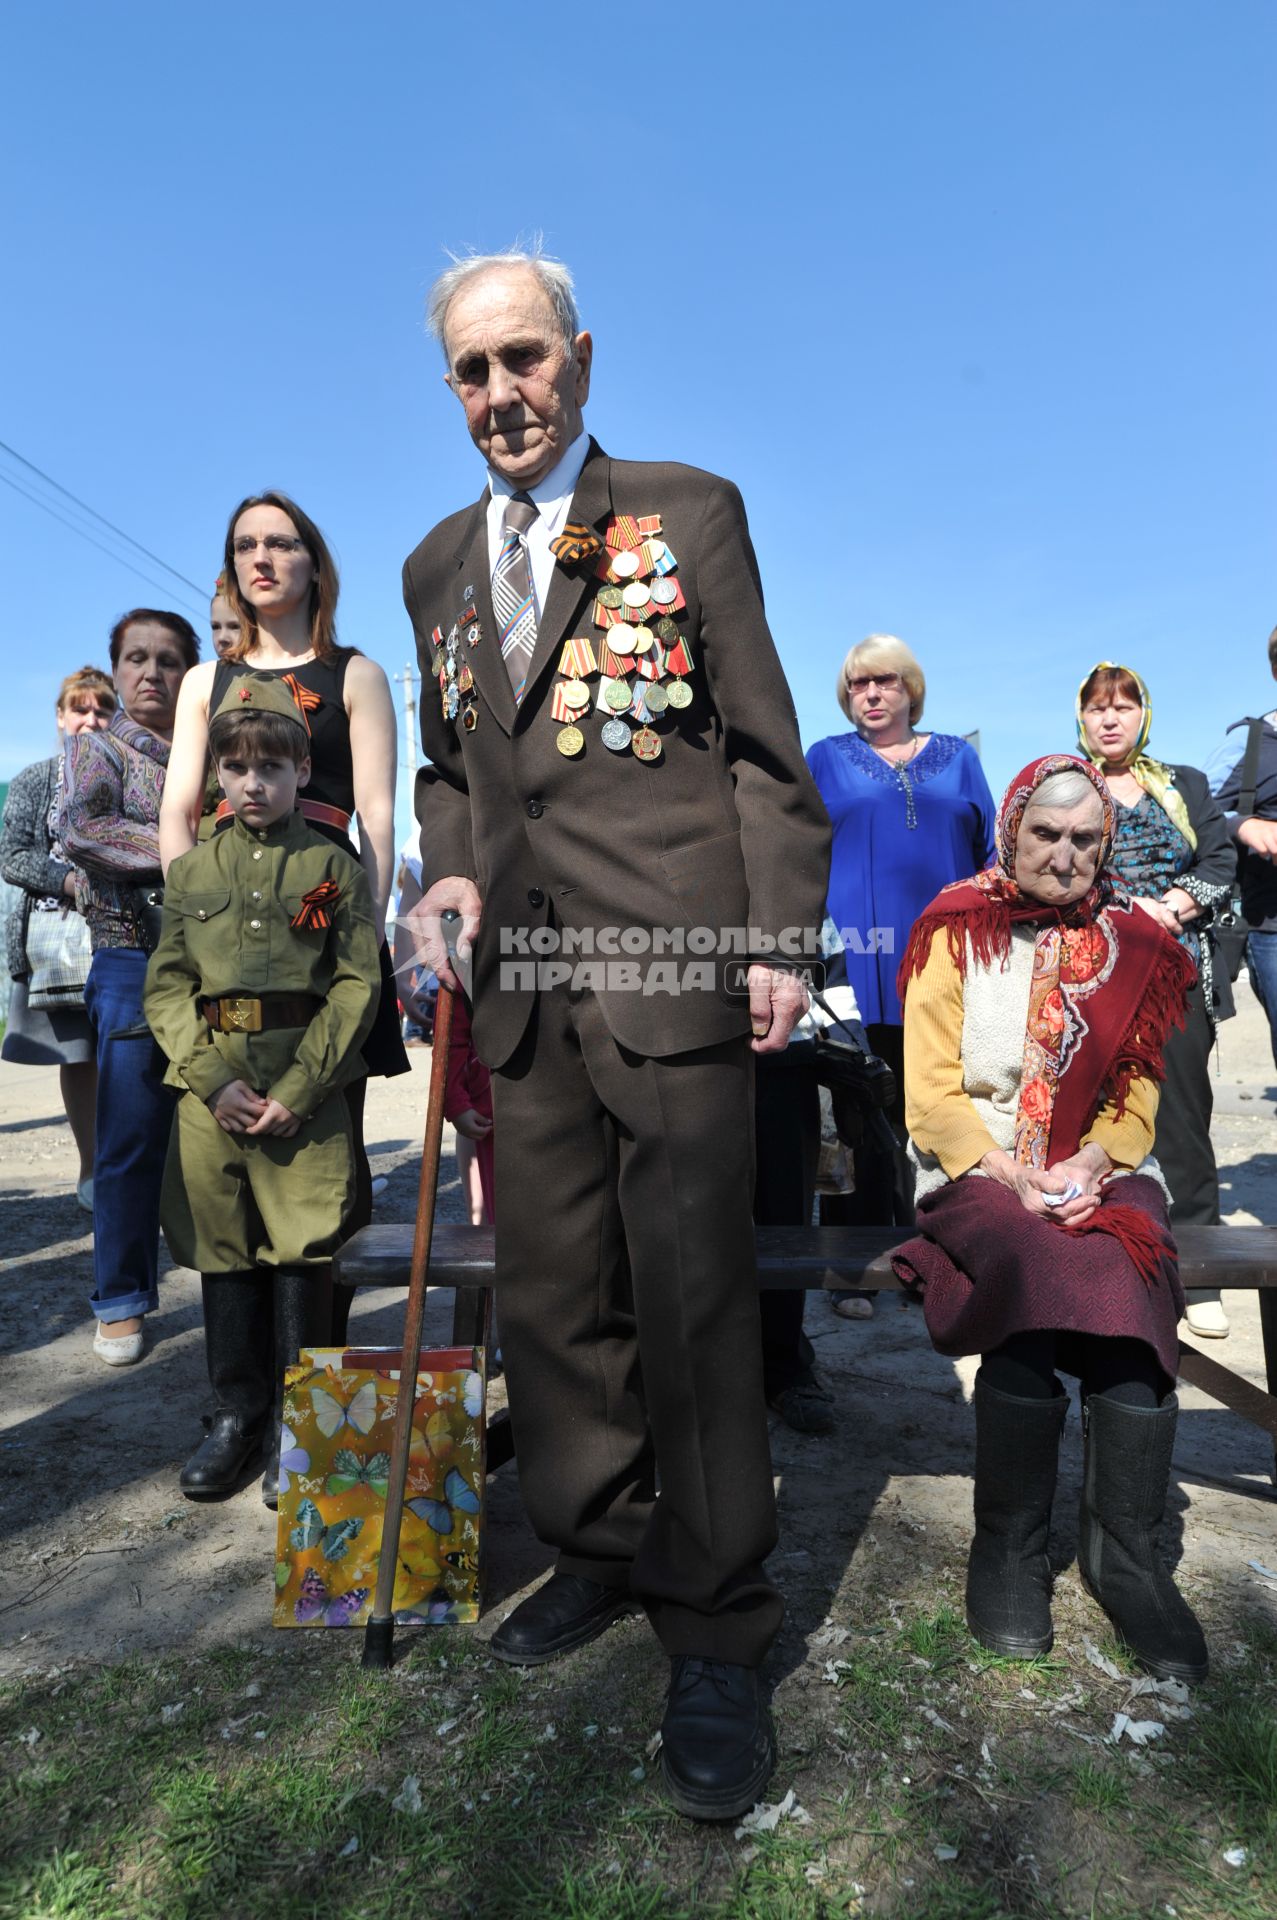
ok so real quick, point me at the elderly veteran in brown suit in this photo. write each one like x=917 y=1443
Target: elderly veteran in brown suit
x=617 y=794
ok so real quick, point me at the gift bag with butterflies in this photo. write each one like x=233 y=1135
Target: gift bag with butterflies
x=339 y=1411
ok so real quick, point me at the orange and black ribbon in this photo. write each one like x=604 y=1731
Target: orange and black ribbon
x=577 y=542
x=316 y=907
x=305 y=698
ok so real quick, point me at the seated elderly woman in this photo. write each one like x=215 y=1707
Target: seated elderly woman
x=1038 y=1000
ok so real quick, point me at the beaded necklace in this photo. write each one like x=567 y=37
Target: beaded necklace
x=898 y=767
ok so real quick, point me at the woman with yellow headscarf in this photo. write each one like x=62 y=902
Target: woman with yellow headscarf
x=1174 y=853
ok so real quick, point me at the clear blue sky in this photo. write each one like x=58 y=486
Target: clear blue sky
x=973 y=299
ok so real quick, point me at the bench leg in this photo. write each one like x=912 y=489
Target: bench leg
x=1268 y=1327
x=471 y=1316
x=472 y=1327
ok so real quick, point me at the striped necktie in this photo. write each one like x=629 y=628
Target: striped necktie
x=512 y=597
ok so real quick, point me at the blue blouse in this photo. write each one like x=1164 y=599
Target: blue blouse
x=900 y=834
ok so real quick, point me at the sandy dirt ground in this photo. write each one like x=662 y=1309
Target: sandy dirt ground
x=102 y=1557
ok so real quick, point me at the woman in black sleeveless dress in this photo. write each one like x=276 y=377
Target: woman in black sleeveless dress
x=282 y=583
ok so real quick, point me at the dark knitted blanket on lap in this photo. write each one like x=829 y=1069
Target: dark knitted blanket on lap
x=987 y=1268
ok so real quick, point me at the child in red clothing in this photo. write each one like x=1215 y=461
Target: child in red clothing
x=467 y=1102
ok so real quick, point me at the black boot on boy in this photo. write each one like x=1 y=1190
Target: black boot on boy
x=237 y=1339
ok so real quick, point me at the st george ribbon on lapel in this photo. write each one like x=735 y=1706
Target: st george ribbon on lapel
x=512 y=598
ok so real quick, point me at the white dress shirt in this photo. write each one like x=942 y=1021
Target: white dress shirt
x=553 y=497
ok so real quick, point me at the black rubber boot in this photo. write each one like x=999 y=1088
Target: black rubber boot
x=1017 y=1444
x=303 y=1305
x=237 y=1337
x=1128 y=1465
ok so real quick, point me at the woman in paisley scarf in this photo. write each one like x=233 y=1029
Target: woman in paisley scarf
x=1038 y=999
x=1175 y=855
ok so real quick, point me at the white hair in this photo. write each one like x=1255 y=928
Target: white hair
x=554 y=278
x=1065 y=789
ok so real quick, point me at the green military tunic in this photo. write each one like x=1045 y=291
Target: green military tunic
x=232 y=1201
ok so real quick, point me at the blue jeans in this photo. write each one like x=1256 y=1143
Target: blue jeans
x=1261 y=958
x=134 y=1119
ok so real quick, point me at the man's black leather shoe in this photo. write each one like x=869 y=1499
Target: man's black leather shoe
x=565 y=1613
x=717 y=1749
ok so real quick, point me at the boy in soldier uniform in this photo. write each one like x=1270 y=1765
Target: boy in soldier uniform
x=263 y=985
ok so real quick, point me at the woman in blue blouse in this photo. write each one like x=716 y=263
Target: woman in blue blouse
x=910 y=811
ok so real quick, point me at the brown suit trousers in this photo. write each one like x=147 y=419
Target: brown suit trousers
x=630 y=1321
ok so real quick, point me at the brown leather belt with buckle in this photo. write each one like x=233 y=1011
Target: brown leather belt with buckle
x=242 y=1013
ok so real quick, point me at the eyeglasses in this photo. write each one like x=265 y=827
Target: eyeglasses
x=885 y=682
x=243 y=544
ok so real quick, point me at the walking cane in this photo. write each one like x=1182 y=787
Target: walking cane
x=379 y=1633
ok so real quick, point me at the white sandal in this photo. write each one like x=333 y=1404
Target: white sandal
x=1206 y=1318
x=125 y=1350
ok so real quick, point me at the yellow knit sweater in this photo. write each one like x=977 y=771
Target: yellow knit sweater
x=942 y=1089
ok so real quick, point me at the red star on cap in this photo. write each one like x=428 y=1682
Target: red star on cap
x=246 y=693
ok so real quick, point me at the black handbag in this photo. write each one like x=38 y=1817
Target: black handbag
x=148 y=911
x=1228 y=929
x=861 y=1087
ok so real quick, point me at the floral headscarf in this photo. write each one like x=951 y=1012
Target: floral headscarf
x=1153 y=775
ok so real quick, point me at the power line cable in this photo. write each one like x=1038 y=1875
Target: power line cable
x=110 y=552
x=110 y=524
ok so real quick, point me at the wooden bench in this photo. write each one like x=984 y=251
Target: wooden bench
x=816 y=1258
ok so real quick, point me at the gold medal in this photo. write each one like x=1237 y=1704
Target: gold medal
x=570 y=742
x=609 y=597
x=470 y=717
x=657 y=697
x=618 y=695
x=576 y=696
x=642 y=640
x=646 y=744
x=678 y=695
x=465 y=679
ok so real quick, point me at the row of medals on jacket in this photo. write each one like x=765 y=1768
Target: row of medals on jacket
x=626 y=600
x=642 y=605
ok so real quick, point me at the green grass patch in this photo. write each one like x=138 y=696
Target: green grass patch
x=1099 y=1786
x=939 y=1784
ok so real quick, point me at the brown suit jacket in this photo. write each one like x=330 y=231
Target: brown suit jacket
x=725 y=830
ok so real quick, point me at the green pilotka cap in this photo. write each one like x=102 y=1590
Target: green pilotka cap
x=261 y=693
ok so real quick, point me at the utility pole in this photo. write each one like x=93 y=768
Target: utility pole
x=409 y=679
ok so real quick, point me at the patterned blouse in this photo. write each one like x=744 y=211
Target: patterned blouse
x=31 y=858
x=110 y=823
x=1151 y=855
